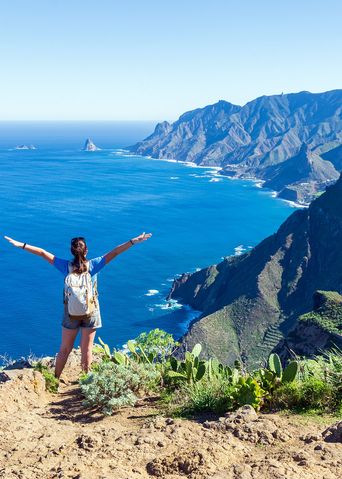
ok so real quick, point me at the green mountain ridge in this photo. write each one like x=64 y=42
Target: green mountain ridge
x=250 y=303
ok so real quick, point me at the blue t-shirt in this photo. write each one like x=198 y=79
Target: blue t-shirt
x=95 y=265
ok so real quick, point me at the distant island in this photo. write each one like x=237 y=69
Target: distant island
x=25 y=147
x=90 y=146
x=291 y=142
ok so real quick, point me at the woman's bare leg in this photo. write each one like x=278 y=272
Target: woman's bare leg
x=68 y=339
x=87 y=341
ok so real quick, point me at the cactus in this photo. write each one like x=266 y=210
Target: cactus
x=139 y=353
x=290 y=372
x=275 y=366
x=105 y=349
x=192 y=369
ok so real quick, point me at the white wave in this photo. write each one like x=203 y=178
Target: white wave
x=215 y=180
x=169 y=305
x=174 y=177
x=152 y=292
x=239 y=250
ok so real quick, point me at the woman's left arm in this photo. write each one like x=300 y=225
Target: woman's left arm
x=125 y=246
x=32 y=249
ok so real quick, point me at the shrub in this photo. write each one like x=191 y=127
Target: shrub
x=309 y=393
x=112 y=386
x=157 y=342
x=316 y=394
x=51 y=382
x=214 y=395
x=287 y=396
x=249 y=391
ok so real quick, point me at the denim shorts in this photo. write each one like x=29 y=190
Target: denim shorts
x=94 y=322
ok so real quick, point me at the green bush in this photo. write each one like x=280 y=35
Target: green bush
x=193 y=385
x=112 y=386
x=216 y=396
x=51 y=382
x=317 y=394
x=287 y=396
x=310 y=393
x=157 y=342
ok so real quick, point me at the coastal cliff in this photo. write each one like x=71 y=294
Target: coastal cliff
x=250 y=303
x=253 y=140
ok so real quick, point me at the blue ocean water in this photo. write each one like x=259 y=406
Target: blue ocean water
x=57 y=191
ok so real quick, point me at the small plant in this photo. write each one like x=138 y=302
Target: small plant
x=249 y=391
x=157 y=342
x=51 y=382
x=110 y=387
x=288 y=374
x=216 y=395
x=191 y=370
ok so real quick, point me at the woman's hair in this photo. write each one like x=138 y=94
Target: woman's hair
x=79 y=250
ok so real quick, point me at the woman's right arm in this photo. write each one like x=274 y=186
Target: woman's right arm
x=32 y=249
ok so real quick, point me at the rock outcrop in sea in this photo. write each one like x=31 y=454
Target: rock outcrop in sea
x=25 y=147
x=251 y=303
x=292 y=141
x=90 y=146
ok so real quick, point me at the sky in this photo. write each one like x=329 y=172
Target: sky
x=154 y=60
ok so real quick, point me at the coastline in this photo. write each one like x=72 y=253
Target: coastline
x=215 y=172
x=257 y=181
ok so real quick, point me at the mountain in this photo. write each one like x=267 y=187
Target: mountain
x=245 y=141
x=334 y=156
x=317 y=330
x=300 y=174
x=250 y=303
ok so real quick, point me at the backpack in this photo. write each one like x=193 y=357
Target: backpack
x=80 y=294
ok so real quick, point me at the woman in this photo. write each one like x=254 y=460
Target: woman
x=79 y=268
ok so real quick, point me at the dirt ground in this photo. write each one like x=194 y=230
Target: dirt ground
x=50 y=436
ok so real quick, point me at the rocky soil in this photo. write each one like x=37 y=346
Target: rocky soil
x=52 y=436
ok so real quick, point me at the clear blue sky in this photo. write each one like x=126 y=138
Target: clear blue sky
x=153 y=60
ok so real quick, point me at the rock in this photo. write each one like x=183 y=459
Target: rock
x=86 y=442
x=184 y=463
x=243 y=412
x=90 y=146
x=300 y=456
x=333 y=433
x=21 y=363
x=25 y=147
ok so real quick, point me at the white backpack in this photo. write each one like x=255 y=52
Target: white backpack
x=80 y=294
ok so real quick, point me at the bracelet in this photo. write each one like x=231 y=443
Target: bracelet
x=24 y=245
x=131 y=241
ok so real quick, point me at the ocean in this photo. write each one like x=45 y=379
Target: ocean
x=58 y=191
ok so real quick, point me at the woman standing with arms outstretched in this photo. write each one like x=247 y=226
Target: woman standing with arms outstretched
x=81 y=306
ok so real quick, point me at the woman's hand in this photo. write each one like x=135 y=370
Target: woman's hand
x=141 y=238
x=17 y=244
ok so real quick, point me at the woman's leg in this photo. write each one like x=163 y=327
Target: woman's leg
x=68 y=339
x=87 y=341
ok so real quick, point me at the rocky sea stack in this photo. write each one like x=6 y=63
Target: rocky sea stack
x=90 y=146
x=251 y=303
